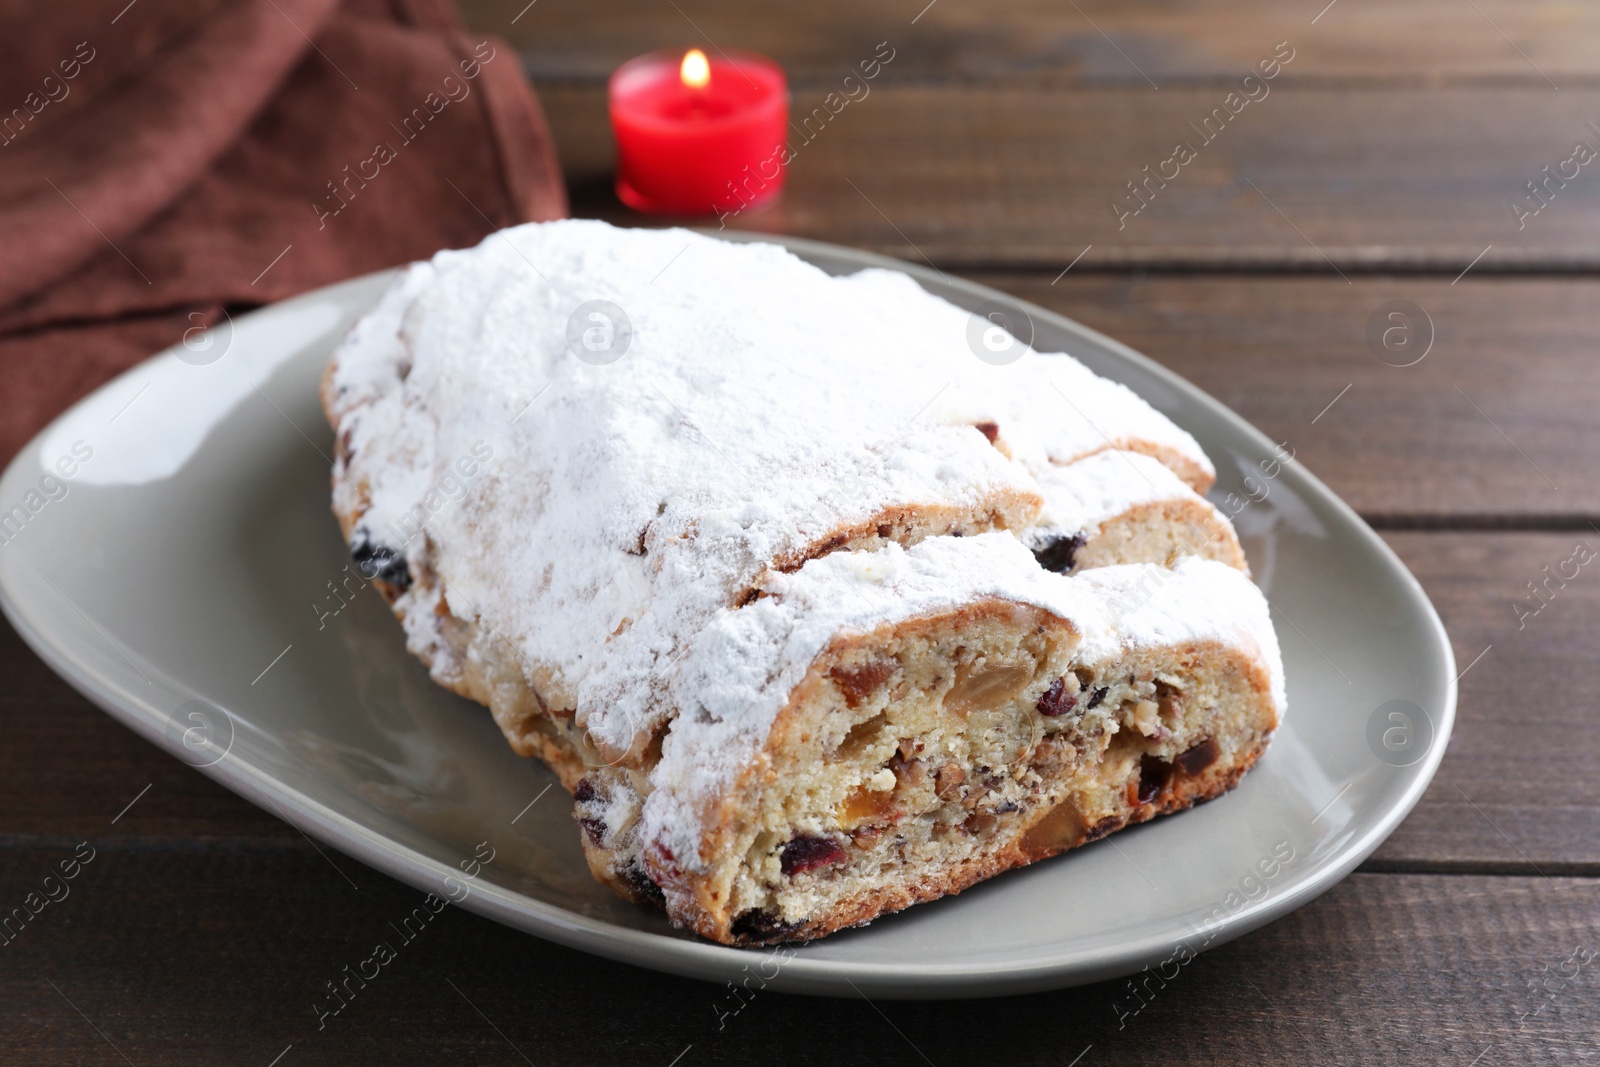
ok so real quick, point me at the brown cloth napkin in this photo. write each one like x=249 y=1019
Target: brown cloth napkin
x=161 y=160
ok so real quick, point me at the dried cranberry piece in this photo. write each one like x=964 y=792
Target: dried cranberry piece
x=1153 y=774
x=806 y=853
x=1056 y=700
x=989 y=430
x=1199 y=757
x=585 y=791
x=595 y=828
x=1059 y=553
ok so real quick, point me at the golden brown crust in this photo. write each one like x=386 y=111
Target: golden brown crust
x=1179 y=527
x=535 y=729
x=907 y=524
x=1180 y=463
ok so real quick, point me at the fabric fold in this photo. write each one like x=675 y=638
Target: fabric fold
x=106 y=169
x=229 y=154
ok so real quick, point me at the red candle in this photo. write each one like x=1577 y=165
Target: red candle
x=698 y=135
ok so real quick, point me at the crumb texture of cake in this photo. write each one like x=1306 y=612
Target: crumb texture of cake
x=891 y=727
x=1124 y=507
x=816 y=612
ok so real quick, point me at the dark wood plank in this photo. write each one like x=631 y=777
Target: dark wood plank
x=177 y=957
x=1100 y=42
x=67 y=770
x=1503 y=401
x=1516 y=791
x=1307 y=178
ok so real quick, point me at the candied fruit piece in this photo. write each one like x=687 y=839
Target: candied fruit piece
x=1153 y=774
x=1062 y=827
x=864 y=805
x=1199 y=757
x=987 y=686
x=856 y=683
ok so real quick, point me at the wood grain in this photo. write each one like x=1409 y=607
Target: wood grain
x=994 y=144
x=67 y=770
x=1495 y=424
x=1091 y=42
x=1517 y=789
x=212 y=956
x=1308 y=179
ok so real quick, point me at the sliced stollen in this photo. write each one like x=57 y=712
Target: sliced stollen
x=562 y=527
x=1124 y=507
x=550 y=528
x=889 y=727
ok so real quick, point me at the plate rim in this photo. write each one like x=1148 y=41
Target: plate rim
x=693 y=958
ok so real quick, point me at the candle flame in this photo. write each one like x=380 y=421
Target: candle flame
x=696 y=71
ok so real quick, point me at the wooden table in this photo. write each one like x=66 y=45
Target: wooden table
x=1382 y=163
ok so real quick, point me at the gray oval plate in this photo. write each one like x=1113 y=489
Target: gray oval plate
x=188 y=577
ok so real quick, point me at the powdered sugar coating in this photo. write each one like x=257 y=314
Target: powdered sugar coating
x=613 y=511
x=741 y=670
x=1080 y=497
x=1050 y=410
